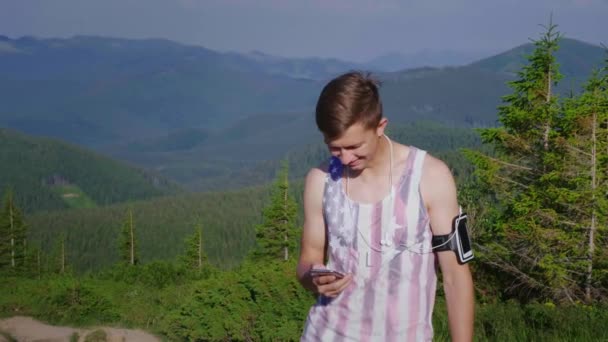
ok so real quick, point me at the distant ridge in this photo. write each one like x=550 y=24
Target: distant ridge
x=397 y=61
x=576 y=58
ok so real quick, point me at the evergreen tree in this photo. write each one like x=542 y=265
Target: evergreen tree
x=31 y=266
x=528 y=240
x=59 y=256
x=5 y=240
x=12 y=236
x=128 y=242
x=195 y=257
x=276 y=235
x=37 y=262
x=585 y=179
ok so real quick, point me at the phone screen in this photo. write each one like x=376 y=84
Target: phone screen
x=463 y=234
x=325 y=272
x=465 y=252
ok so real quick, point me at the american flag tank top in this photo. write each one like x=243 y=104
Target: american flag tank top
x=386 y=246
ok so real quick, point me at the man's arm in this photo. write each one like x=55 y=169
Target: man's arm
x=312 y=249
x=439 y=193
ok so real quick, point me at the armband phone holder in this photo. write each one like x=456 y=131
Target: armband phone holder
x=457 y=241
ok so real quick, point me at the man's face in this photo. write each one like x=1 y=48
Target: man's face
x=357 y=146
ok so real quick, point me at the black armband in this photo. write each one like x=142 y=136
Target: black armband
x=457 y=241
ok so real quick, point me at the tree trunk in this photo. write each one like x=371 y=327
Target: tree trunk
x=286 y=256
x=24 y=260
x=200 y=249
x=12 y=231
x=591 y=242
x=285 y=248
x=63 y=256
x=38 y=264
x=132 y=237
x=547 y=101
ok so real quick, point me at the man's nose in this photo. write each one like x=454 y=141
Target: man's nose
x=346 y=157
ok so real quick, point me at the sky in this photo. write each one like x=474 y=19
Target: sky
x=354 y=30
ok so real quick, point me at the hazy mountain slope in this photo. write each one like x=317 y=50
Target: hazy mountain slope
x=576 y=60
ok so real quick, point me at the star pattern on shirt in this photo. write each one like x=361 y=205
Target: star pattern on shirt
x=338 y=249
x=346 y=232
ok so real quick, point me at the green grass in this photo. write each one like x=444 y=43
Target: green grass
x=180 y=307
x=512 y=321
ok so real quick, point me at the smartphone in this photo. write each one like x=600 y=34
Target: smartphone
x=464 y=251
x=317 y=272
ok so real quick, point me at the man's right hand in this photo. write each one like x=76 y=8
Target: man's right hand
x=312 y=248
x=330 y=285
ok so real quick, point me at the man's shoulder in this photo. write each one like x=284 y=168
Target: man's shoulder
x=435 y=170
x=437 y=183
x=318 y=174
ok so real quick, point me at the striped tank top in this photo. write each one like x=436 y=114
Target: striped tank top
x=386 y=246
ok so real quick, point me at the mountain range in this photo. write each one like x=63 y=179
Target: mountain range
x=98 y=91
x=191 y=113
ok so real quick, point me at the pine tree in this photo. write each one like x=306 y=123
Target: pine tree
x=59 y=256
x=585 y=179
x=38 y=262
x=276 y=235
x=13 y=235
x=195 y=257
x=529 y=241
x=128 y=242
x=5 y=240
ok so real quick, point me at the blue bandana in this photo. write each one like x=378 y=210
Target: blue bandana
x=335 y=168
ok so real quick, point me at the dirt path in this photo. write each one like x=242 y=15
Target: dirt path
x=27 y=329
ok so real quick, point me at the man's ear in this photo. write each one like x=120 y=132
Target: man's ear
x=381 y=126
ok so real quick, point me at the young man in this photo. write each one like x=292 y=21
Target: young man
x=371 y=213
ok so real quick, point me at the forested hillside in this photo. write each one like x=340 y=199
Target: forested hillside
x=228 y=218
x=161 y=225
x=47 y=174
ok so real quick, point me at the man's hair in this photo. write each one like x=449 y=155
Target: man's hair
x=348 y=99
